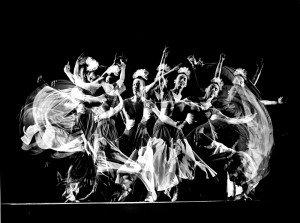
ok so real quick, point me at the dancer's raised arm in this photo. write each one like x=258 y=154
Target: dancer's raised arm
x=68 y=72
x=159 y=76
x=259 y=67
x=121 y=80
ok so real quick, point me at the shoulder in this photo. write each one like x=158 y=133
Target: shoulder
x=127 y=100
x=214 y=110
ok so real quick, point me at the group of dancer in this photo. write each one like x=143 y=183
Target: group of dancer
x=214 y=144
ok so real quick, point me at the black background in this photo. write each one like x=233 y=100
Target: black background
x=40 y=38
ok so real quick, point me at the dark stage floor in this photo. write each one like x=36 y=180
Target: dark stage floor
x=141 y=211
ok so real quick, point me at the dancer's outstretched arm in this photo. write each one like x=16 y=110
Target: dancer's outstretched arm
x=278 y=102
x=219 y=115
x=112 y=111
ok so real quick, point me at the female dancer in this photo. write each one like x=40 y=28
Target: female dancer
x=254 y=137
x=57 y=120
x=64 y=122
x=173 y=158
x=142 y=153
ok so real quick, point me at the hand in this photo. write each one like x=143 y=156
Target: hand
x=67 y=68
x=280 y=100
x=177 y=67
x=165 y=52
x=179 y=124
x=113 y=69
x=40 y=79
x=96 y=118
x=192 y=60
x=81 y=109
x=120 y=59
x=122 y=64
x=101 y=99
x=260 y=62
x=222 y=56
x=200 y=62
x=53 y=83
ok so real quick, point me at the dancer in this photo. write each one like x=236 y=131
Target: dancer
x=173 y=157
x=254 y=137
x=142 y=153
x=64 y=122
x=56 y=120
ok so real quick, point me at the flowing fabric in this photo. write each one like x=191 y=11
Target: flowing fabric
x=53 y=122
x=255 y=137
x=50 y=122
x=261 y=139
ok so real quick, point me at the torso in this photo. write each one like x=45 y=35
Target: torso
x=167 y=104
x=201 y=111
x=133 y=111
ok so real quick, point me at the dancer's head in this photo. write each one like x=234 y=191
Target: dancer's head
x=182 y=77
x=140 y=77
x=92 y=66
x=212 y=91
x=240 y=75
x=112 y=72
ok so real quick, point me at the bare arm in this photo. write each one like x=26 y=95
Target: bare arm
x=68 y=72
x=167 y=120
x=78 y=68
x=194 y=63
x=88 y=99
x=108 y=70
x=112 y=111
x=120 y=82
x=219 y=66
x=220 y=115
x=192 y=109
x=162 y=117
x=260 y=65
x=102 y=77
x=94 y=99
x=278 y=102
x=160 y=76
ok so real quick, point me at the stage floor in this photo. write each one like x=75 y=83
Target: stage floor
x=144 y=211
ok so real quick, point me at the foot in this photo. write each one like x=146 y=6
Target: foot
x=150 y=197
x=175 y=195
x=124 y=194
x=71 y=199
